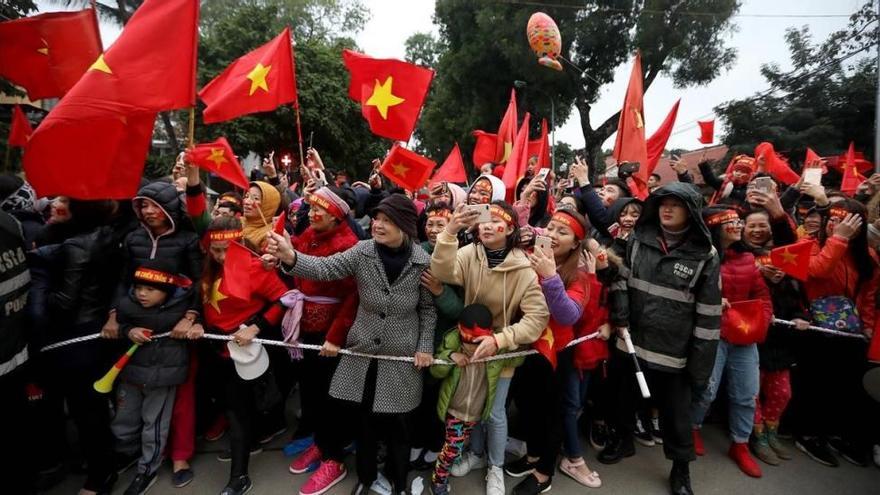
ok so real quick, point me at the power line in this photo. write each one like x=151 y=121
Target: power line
x=611 y=10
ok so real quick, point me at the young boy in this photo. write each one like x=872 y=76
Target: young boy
x=157 y=300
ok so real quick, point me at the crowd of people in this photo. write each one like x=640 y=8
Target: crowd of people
x=419 y=304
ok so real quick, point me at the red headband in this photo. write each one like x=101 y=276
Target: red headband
x=722 y=217
x=229 y=199
x=498 y=212
x=156 y=276
x=571 y=222
x=318 y=200
x=838 y=212
x=440 y=213
x=469 y=334
x=763 y=260
x=224 y=235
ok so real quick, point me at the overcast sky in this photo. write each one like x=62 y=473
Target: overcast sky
x=758 y=40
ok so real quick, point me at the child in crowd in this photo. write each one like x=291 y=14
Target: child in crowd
x=145 y=395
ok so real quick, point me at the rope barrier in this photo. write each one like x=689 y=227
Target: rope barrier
x=823 y=330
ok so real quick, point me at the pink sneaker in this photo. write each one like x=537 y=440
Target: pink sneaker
x=307 y=462
x=329 y=474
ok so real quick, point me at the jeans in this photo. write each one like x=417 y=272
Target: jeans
x=740 y=362
x=574 y=393
x=495 y=429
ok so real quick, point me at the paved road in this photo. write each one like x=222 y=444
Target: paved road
x=646 y=473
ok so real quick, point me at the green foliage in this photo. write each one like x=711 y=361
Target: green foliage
x=826 y=101
x=423 y=49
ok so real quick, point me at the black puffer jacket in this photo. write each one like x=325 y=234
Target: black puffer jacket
x=671 y=302
x=162 y=362
x=179 y=245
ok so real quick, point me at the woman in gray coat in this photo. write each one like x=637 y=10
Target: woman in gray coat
x=395 y=317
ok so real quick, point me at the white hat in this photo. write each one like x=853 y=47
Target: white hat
x=251 y=360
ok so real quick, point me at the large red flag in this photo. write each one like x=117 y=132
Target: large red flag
x=657 y=142
x=545 y=346
x=47 y=54
x=391 y=93
x=812 y=159
x=541 y=147
x=406 y=168
x=518 y=160
x=94 y=143
x=257 y=82
x=236 y=271
x=452 y=169
x=707 y=131
x=793 y=259
x=851 y=176
x=484 y=148
x=217 y=157
x=630 y=145
x=774 y=164
x=20 y=131
x=506 y=131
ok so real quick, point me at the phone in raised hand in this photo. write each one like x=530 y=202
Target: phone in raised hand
x=544 y=244
x=483 y=210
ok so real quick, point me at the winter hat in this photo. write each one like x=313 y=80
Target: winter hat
x=401 y=211
x=159 y=273
x=475 y=321
x=251 y=360
x=16 y=194
x=495 y=184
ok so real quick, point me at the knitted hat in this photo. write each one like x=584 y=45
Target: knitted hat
x=400 y=210
x=475 y=321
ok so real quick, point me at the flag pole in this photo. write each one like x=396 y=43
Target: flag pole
x=299 y=134
x=191 y=134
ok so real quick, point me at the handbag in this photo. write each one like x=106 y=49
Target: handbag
x=836 y=313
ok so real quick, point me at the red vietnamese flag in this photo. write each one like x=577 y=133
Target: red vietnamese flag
x=540 y=148
x=630 y=145
x=793 y=259
x=406 y=168
x=657 y=142
x=20 y=130
x=280 y=223
x=236 y=271
x=851 y=176
x=47 y=54
x=257 y=82
x=518 y=160
x=94 y=143
x=391 y=93
x=707 y=131
x=812 y=159
x=452 y=169
x=218 y=157
x=484 y=148
x=774 y=164
x=744 y=322
x=545 y=346
x=506 y=132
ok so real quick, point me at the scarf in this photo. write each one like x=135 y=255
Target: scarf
x=255 y=230
x=293 y=300
x=674 y=239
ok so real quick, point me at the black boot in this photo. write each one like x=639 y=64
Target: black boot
x=616 y=449
x=680 y=479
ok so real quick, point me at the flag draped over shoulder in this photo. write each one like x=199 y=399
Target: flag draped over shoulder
x=257 y=82
x=94 y=143
x=47 y=54
x=630 y=145
x=391 y=93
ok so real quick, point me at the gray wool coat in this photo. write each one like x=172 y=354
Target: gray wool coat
x=396 y=320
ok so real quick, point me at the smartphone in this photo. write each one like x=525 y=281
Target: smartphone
x=764 y=184
x=543 y=243
x=543 y=173
x=483 y=210
x=311 y=135
x=813 y=175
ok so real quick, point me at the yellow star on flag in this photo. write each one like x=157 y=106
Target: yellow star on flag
x=216 y=296
x=548 y=337
x=101 y=65
x=640 y=122
x=45 y=49
x=744 y=327
x=508 y=147
x=258 y=78
x=382 y=97
x=217 y=157
x=789 y=257
x=400 y=169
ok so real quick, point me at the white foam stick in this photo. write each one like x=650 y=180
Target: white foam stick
x=640 y=377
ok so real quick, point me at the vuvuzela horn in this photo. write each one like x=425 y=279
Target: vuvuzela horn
x=105 y=384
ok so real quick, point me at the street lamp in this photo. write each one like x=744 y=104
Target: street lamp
x=524 y=85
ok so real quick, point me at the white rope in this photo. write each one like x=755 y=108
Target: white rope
x=86 y=338
x=823 y=330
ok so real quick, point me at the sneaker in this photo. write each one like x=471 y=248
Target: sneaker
x=680 y=479
x=531 y=486
x=360 y=489
x=467 y=463
x=761 y=448
x=616 y=449
x=495 y=481
x=599 y=436
x=850 y=451
x=439 y=488
x=578 y=471
x=307 y=462
x=238 y=486
x=182 y=478
x=217 y=429
x=817 y=449
x=781 y=450
x=656 y=432
x=268 y=437
x=642 y=435
x=739 y=452
x=519 y=467
x=226 y=455
x=140 y=484
x=298 y=445
x=328 y=474
x=699 y=448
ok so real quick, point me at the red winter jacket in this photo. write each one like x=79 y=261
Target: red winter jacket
x=588 y=355
x=834 y=273
x=741 y=281
x=335 y=319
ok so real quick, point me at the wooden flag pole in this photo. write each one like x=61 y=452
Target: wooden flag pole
x=191 y=134
x=299 y=134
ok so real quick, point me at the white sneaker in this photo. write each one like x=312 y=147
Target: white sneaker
x=467 y=463
x=877 y=455
x=495 y=481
